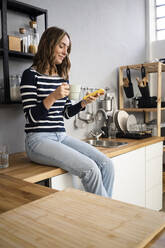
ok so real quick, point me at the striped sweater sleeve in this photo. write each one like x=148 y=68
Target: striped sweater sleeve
x=71 y=110
x=33 y=110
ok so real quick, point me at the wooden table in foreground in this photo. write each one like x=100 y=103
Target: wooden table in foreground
x=73 y=218
x=21 y=167
x=16 y=192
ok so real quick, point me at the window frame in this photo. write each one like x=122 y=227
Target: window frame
x=158 y=18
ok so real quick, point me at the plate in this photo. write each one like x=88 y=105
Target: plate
x=115 y=119
x=131 y=124
x=121 y=120
x=114 y=116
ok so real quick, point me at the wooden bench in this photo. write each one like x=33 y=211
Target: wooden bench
x=20 y=166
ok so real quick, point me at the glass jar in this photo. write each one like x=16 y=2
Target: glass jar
x=15 y=88
x=23 y=37
x=33 y=37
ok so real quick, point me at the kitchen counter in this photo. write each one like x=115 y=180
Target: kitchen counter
x=132 y=145
x=21 y=167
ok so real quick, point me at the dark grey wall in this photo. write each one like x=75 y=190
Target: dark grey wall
x=105 y=35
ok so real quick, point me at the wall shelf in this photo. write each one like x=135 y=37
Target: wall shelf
x=156 y=67
x=142 y=109
x=25 y=8
x=16 y=54
x=149 y=67
x=7 y=54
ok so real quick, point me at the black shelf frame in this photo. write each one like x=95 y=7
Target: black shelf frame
x=26 y=9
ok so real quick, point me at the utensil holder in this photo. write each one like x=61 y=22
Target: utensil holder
x=150 y=102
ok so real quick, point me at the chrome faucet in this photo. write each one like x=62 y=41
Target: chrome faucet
x=103 y=112
x=98 y=134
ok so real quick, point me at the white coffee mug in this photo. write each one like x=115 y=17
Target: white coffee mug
x=75 y=90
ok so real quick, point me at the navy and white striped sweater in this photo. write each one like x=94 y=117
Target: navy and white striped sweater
x=34 y=88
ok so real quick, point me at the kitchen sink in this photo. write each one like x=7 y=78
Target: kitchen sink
x=106 y=143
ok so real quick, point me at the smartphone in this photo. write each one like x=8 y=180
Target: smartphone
x=100 y=91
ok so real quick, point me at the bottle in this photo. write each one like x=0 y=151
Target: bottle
x=33 y=37
x=23 y=37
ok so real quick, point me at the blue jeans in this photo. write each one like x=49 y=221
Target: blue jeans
x=75 y=156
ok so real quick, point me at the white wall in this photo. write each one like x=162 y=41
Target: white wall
x=105 y=35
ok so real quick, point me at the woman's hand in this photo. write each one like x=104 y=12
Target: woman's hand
x=89 y=99
x=61 y=92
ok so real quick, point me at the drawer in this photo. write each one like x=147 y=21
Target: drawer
x=154 y=198
x=154 y=150
x=154 y=170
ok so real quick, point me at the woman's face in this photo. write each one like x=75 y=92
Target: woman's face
x=61 y=50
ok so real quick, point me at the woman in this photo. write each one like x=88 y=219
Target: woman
x=44 y=91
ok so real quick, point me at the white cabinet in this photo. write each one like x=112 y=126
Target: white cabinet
x=154 y=170
x=138 y=177
x=129 y=185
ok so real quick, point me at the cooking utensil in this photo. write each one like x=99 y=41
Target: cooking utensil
x=143 y=84
x=127 y=84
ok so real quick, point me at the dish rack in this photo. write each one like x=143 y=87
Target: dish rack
x=134 y=135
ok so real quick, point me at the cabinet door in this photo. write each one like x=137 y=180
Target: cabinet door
x=154 y=150
x=154 y=170
x=154 y=198
x=129 y=183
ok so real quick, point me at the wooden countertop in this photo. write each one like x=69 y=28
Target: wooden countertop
x=16 y=192
x=132 y=145
x=73 y=218
x=21 y=167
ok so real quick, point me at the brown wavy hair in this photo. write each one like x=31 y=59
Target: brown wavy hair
x=45 y=59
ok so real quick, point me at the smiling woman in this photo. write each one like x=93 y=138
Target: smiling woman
x=52 y=57
x=44 y=91
x=61 y=50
